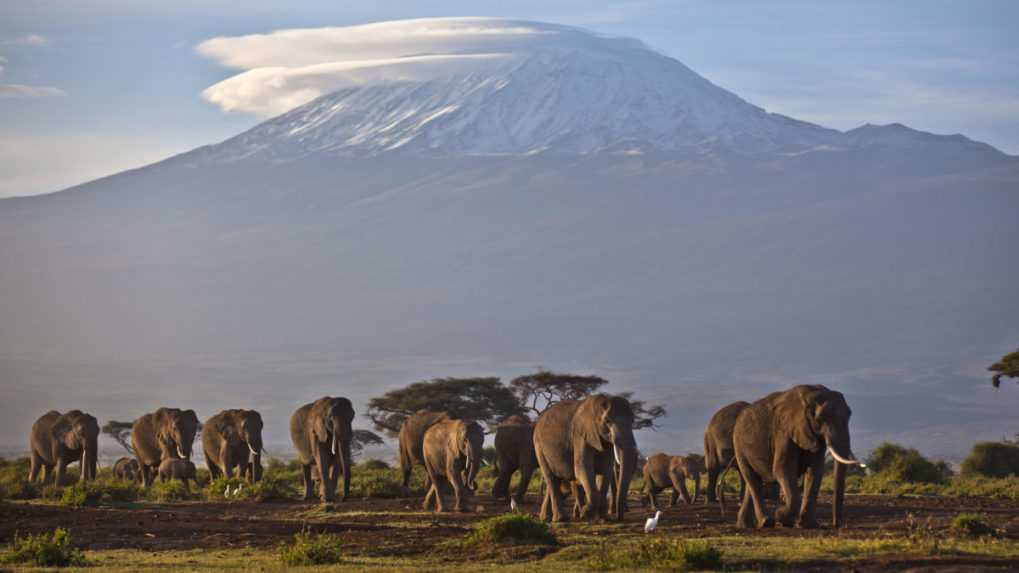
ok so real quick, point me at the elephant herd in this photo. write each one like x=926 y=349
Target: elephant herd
x=584 y=448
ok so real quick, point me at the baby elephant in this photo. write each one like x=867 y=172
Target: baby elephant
x=173 y=468
x=663 y=471
x=127 y=469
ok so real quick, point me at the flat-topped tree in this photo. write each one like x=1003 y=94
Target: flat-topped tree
x=1008 y=366
x=484 y=400
x=539 y=391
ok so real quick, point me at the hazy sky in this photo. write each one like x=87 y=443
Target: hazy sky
x=89 y=87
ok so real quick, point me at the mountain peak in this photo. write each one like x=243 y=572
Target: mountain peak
x=568 y=91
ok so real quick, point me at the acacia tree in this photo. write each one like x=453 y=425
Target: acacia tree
x=539 y=391
x=482 y=399
x=121 y=433
x=1008 y=366
x=361 y=439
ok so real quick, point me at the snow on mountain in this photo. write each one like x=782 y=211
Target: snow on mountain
x=581 y=93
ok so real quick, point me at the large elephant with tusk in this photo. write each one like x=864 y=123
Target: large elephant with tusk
x=590 y=441
x=61 y=439
x=784 y=436
x=321 y=433
x=233 y=439
x=163 y=434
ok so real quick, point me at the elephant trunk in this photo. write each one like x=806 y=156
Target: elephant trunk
x=626 y=467
x=473 y=464
x=838 y=495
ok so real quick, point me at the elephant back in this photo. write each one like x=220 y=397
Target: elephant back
x=412 y=434
x=514 y=439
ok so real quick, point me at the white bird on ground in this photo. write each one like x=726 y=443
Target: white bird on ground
x=238 y=490
x=513 y=505
x=652 y=522
x=226 y=492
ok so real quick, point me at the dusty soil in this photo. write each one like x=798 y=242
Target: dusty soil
x=397 y=527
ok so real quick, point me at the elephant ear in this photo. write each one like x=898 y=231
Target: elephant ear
x=589 y=419
x=797 y=413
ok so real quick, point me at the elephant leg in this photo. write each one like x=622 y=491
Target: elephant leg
x=713 y=471
x=525 y=481
x=308 y=485
x=653 y=496
x=753 y=501
x=578 y=498
x=59 y=476
x=543 y=512
x=673 y=496
x=555 y=495
x=786 y=475
x=679 y=486
x=500 y=489
x=436 y=489
x=583 y=469
x=811 y=485
x=455 y=477
x=430 y=496
x=323 y=461
x=35 y=469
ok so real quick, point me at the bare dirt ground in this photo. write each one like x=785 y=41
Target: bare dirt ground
x=397 y=527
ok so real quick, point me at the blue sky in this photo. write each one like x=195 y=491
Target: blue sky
x=88 y=87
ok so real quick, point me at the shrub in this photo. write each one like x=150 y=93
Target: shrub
x=972 y=525
x=215 y=490
x=309 y=549
x=992 y=459
x=512 y=529
x=376 y=483
x=907 y=464
x=45 y=550
x=374 y=464
x=20 y=488
x=170 y=490
x=88 y=494
x=80 y=495
x=269 y=488
x=658 y=553
x=14 y=479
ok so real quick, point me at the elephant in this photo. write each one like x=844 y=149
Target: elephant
x=233 y=439
x=452 y=453
x=412 y=438
x=174 y=468
x=718 y=452
x=572 y=441
x=662 y=471
x=127 y=469
x=321 y=432
x=61 y=439
x=514 y=448
x=784 y=436
x=165 y=433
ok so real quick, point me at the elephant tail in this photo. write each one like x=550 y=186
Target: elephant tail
x=720 y=488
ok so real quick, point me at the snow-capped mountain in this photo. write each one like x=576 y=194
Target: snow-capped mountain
x=580 y=94
x=572 y=201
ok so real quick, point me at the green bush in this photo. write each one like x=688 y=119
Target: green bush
x=309 y=549
x=93 y=493
x=270 y=488
x=377 y=483
x=14 y=479
x=169 y=490
x=907 y=464
x=972 y=525
x=512 y=529
x=45 y=550
x=215 y=490
x=657 y=553
x=374 y=464
x=992 y=459
x=80 y=495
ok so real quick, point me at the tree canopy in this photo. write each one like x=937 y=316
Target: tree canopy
x=120 y=432
x=485 y=400
x=1008 y=366
x=361 y=439
x=538 y=391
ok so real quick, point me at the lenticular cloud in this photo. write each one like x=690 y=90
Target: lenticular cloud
x=287 y=68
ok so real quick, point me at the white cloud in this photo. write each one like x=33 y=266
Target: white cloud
x=36 y=40
x=287 y=68
x=20 y=90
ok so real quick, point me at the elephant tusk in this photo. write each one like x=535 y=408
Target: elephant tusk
x=615 y=452
x=253 y=452
x=842 y=460
x=180 y=452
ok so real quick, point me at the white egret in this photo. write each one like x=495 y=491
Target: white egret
x=652 y=522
